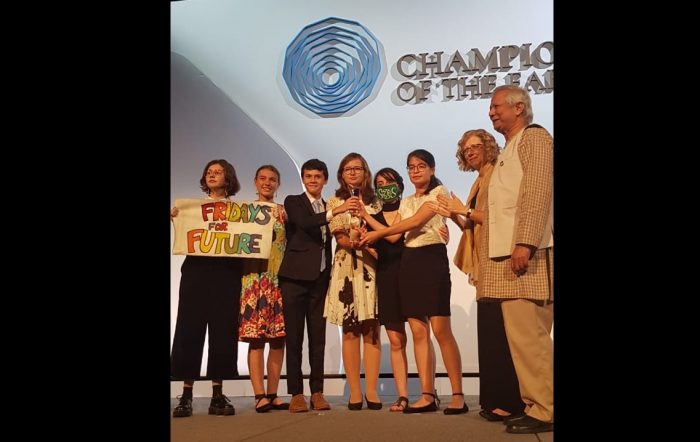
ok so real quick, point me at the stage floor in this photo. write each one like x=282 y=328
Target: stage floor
x=340 y=424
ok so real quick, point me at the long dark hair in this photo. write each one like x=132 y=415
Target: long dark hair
x=429 y=159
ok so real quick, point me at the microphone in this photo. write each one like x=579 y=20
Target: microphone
x=355 y=222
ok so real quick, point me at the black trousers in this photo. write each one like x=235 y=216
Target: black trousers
x=498 y=383
x=303 y=301
x=210 y=293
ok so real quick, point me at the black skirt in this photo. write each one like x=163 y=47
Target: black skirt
x=388 y=266
x=424 y=281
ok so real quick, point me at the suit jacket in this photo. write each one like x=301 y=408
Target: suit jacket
x=302 y=257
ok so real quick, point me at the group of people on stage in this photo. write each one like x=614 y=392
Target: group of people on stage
x=390 y=267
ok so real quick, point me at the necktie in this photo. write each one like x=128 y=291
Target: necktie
x=318 y=208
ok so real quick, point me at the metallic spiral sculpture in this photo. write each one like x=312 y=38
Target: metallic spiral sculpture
x=332 y=65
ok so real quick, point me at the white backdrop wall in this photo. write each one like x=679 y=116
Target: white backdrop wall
x=229 y=100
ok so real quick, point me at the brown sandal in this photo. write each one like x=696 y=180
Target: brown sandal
x=402 y=402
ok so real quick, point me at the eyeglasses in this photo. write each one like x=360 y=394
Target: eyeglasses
x=417 y=168
x=215 y=172
x=353 y=169
x=472 y=148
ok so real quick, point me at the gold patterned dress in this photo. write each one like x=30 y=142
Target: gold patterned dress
x=261 y=314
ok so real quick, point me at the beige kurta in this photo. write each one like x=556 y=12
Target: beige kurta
x=496 y=279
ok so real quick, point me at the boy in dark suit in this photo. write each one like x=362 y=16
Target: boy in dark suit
x=303 y=276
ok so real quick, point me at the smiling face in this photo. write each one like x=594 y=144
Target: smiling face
x=266 y=182
x=313 y=180
x=474 y=153
x=503 y=115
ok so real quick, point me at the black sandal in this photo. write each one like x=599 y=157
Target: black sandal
x=282 y=406
x=264 y=408
x=430 y=407
x=402 y=402
x=464 y=408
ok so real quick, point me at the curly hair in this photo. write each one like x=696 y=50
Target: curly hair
x=491 y=148
x=230 y=178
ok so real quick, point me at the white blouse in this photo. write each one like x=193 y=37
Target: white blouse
x=430 y=232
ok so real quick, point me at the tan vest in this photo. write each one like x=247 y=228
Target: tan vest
x=504 y=189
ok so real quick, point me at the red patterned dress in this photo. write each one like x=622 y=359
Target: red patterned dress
x=261 y=314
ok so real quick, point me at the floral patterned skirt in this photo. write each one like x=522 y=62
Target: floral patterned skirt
x=261 y=314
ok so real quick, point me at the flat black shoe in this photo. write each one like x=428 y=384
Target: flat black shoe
x=513 y=417
x=355 y=406
x=425 y=408
x=282 y=406
x=373 y=405
x=221 y=405
x=184 y=408
x=529 y=425
x=462 y=410
x=491 y=416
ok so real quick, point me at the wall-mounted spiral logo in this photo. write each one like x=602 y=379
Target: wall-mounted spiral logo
x=332 y=65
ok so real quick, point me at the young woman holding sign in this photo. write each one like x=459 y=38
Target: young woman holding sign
x=210 y=290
